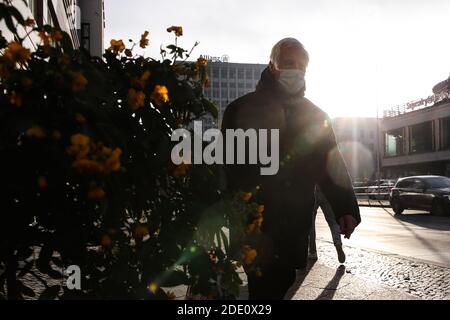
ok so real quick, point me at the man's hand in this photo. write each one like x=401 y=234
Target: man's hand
x=348 y=225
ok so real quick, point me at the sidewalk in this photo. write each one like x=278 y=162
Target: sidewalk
x=320 y=282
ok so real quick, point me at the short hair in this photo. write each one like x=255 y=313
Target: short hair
x=287 y=42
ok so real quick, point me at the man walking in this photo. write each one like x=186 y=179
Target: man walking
x=335 y=228
x=308 y=156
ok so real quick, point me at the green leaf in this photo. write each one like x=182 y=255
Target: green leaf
x=173 y=48
x=210 y=107
x=50 y=293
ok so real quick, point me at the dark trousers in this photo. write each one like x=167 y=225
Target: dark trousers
x=275 y=280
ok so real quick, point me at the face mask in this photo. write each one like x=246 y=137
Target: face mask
x=292 y=80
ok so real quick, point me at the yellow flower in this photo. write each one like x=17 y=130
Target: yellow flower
x=177 y=30
x=260 y=209
x=15 y=100
x=117 y=46
x=136 y=99
x=79 y=149
x=246 y=196
x=146 y=75
x=79 y=82
x=181 y=170
x=248 y=255
x=15 y=53
x=128 y=53
x=171 y=295
x=42 y=182
x=144 y=41
x=251 y=227
x=113 y=161
x=87 y=165
x=259 y=221
x=56 y=36
x=29 y=22
x=106 y=241
x=44 y=37
x=96 y=193
x=160 y=94
x=35 y=132
x=140 y=231
x=80 y=139
x=79 y=118
x=202 y=61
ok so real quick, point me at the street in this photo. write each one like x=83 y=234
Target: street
x=414 y=234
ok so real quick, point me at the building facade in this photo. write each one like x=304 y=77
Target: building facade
x=416 y=136
x=83 y=20
x=229 y=81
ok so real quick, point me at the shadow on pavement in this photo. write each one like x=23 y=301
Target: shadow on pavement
x=330 y=289
x=425 y=220
x=301 y=276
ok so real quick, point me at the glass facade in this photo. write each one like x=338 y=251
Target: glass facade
x=445 y=133
x=394 y=140
x=421 y=138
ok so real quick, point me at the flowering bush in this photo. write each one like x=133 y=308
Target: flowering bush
x=87 y=177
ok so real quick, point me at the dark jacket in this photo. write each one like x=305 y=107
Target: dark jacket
x=308 y=156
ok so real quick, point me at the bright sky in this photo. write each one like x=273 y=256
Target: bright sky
x=363 y=53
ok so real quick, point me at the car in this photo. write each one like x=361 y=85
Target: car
x=430 y=193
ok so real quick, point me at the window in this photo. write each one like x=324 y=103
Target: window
x=394 y=142
x=215 y=84
x=215 y=73
x=86 y=36
x=445 y=133
x=224 y=93
x=233 y=94
x=232 y=73
x=405 y=183
x=421 y=138
x=439 y=182
x=224 y=84
x=216 y=93
x=249 y=74
x=240 y=74
x=418 y=184
x=249 y=85
x=224 y=73
x=240 y=85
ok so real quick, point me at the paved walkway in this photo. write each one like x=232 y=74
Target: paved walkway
x=320 y=282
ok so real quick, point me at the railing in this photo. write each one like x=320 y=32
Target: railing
x=416 y=105
x=373 y=196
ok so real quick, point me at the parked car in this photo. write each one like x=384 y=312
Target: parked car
x=431 y=193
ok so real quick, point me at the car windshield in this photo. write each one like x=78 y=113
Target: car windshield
x=439 y=182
